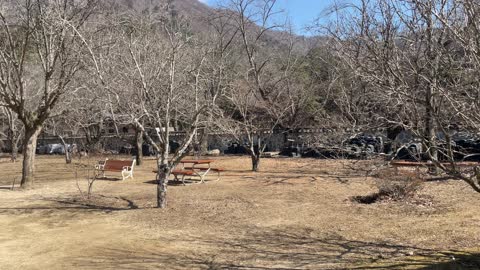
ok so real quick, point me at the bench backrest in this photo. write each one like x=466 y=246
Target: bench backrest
x=111 y=164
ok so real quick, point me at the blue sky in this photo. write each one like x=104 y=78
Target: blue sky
x=301 y=12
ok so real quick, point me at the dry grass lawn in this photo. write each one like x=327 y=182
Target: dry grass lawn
x=294 y=214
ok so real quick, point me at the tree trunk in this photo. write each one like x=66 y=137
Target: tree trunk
x=205 y=135
x=14 y=154
x=139 y=146
x=68 y=155
x=29 y=148
x=13 y=134
x=255 y=153
x=162 y=182
x=431 y=143
x=255 y=162
x=13 y=146
x=433 y=69
x=93 y=137
x=430 y=137
x=204 y=142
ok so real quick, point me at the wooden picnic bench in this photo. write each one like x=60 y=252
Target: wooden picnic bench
x=217 y=170
x=181 y=172
x=125 y=167
x=177 y=173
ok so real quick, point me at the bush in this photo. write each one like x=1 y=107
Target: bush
x=393 y=186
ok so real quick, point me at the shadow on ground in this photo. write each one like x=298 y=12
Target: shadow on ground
x=174 y=182
x=111 y=179
x=277 y=249
x=98 y=203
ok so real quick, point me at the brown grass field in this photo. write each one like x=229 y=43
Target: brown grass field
x=293 y=214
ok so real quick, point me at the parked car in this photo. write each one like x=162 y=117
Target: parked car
x=412 y=152
x=466 y=146
x=42 y=149
x=54 y=149
x=236 y=149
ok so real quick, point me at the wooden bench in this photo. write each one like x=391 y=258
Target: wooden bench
x=182 y=173
x=177 y=173
x=111 y=165
x=217 y=170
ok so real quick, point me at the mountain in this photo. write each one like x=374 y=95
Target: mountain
x=193 y=8
x=187 y=8
x=199 y=13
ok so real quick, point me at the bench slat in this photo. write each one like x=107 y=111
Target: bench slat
x=116 y=165
x=204 y=169
x=179 y=172
x=183 y=172
x=122 y=166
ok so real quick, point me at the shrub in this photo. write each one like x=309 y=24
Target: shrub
x=393 y=185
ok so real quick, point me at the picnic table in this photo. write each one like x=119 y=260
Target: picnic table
x=194 y=167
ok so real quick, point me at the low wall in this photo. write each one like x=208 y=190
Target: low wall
x=275 y=141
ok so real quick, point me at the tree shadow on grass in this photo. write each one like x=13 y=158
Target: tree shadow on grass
x=463 y=261
x=74 y=204
x=174 y=183
x=95 y=204
x=278 y=249
x=111 y=179
x=276 y=180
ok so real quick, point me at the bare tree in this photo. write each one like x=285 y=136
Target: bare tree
x=13 y=133
x=416 y=62
x=88 y=114
x=39 y=57
x=64 y=126
x=139 y=134
x=257 y=100
x=155 y=78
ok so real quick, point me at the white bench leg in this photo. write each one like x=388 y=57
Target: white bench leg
x=183 y=180
x=175 y=178
x=127 y=174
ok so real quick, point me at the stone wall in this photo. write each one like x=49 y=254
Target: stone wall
x=275 y=140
